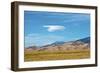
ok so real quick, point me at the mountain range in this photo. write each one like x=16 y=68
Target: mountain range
x=83 y=43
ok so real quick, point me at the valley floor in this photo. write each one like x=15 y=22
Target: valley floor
x=56 y=55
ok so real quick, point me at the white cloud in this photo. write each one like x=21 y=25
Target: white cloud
x=52 y=28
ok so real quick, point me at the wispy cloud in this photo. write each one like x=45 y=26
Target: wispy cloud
x=52 y=28
x=41 y=39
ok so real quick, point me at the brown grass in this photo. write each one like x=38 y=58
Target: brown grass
x=56 y=55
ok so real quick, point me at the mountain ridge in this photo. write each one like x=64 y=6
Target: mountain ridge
x=60 y=45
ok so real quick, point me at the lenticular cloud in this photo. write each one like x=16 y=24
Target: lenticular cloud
x=52 y=28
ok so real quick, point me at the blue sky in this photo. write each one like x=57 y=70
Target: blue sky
x=42 y=28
